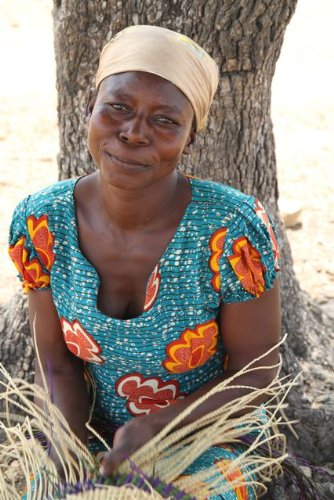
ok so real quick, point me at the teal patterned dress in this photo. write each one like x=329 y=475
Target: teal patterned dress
x=224 y=250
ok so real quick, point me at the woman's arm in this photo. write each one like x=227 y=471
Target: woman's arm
x=248 y=329
x=62 y=370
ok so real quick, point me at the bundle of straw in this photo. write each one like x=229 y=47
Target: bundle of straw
x=157 y=469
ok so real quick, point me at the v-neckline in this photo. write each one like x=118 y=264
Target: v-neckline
x=158 y=266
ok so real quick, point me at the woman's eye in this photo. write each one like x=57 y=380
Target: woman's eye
x=118 y=107
x=165 y=120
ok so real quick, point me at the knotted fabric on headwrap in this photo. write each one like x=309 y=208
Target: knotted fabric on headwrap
x=168 y=54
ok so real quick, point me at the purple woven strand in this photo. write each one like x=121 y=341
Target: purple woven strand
x=179 y=496
x=129 y=478
x=168 y=489
x=155 y=482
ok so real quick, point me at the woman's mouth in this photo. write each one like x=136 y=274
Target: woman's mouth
x=126 y=162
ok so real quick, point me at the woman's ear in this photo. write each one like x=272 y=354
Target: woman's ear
x=90 y=102
x=191 y=141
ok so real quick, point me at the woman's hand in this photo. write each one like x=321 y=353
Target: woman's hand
x=128 y=438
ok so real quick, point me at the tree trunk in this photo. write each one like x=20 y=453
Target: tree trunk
x=16 y=349
x=237 y=148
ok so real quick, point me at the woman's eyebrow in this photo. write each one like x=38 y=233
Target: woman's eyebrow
x=169 y=108
x=115 y=94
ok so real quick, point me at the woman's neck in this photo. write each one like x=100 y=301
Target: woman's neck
x=131 y=210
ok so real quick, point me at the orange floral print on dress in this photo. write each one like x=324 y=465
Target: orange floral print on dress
x=31 y=270
x=147 y=395
x=216 y=244
x=193 y=348
x=42 y=239
x=234 y=476
x=261 y=213
x=152 y=288
x=247 y=265
x=80 y=342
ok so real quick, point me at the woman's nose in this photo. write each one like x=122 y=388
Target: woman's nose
x=135 y=131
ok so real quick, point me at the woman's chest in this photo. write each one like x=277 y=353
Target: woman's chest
x=181 y=279
x=125 y=266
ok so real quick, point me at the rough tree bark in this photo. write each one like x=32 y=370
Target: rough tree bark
x=245 y=38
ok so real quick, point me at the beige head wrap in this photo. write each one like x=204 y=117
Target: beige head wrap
x=168 y=54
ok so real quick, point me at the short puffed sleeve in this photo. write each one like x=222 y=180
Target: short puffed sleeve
x=249 y=258
x=31 y=247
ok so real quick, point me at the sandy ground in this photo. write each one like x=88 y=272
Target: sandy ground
x=303 y=114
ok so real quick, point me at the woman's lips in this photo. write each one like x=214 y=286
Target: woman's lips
x=126 y=162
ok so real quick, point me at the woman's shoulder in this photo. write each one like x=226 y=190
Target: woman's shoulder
x=50 y=198
x=37 y=222
x=243 y=243
x=221 y=198
x=50 y=204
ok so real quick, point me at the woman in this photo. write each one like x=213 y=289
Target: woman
x=141 y=275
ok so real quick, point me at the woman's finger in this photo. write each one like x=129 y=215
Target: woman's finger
x=112 y=460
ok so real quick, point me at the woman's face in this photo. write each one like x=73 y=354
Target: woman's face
x=140 y=125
